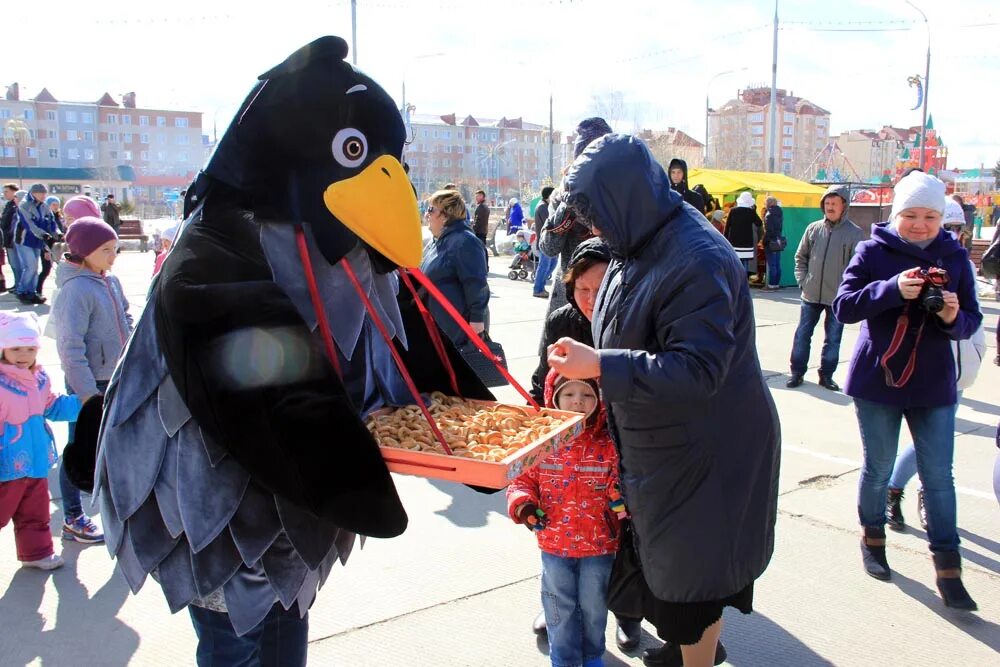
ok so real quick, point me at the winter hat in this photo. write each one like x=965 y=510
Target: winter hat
x=918 y=190
x=170 y=233
x=49 y=201
x=745 y=200
x=38 y=187
x=19 y=330
x=513 y=200
x=81 y=207
x=87 y=234
x=587 y=131
x=20 y=195
x=953 y=214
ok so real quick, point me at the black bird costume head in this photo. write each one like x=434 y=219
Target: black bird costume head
x=318 y=141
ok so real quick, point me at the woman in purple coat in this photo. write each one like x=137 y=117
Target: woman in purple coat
x=903 y=366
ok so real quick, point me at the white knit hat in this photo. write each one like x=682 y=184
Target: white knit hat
x=953 y=213
x=19 y=330
x=917 y=190
x=745 y=200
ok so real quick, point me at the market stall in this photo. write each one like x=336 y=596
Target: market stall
x=799 y=202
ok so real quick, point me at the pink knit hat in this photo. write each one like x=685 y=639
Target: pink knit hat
x=87 y=234
x=80 y=206
x=19 y=330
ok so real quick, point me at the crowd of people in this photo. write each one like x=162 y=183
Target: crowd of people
x=662 y=515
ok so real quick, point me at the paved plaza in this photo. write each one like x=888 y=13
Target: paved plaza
x=461 y=586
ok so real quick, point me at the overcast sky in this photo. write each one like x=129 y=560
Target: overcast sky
x=503 y=57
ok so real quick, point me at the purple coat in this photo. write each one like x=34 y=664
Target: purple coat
x=869 y=294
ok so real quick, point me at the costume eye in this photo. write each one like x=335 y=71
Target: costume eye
x=350 y=147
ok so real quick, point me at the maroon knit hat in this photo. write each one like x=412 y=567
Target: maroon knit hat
x=87 y=234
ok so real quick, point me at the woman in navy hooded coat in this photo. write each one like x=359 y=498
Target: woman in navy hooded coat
x=688 y=406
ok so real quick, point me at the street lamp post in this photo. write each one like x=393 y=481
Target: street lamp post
x=707 y=90
x=927 y=85
x=16 y=134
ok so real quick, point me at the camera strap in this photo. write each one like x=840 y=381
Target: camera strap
x=902 y=326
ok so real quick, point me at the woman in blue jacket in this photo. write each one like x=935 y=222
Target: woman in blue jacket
x=903 y=367
x=456 y=264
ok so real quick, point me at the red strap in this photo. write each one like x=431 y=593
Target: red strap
x=902 y=324
x=395 y=354
x=432 y=331
x=317 y=303
x=473 y=336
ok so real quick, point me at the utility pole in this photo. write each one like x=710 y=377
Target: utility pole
x=773 y=108
x=927 y=84
x=551 y=141
x=354 y=32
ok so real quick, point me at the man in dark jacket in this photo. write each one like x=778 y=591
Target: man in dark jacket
x=481 y=217
x=679 y=184
x=7 y=232
x=773 y=242
x=687 y=402
x=824 y=252
x=111 y=211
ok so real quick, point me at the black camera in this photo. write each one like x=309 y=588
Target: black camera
x=931 y=296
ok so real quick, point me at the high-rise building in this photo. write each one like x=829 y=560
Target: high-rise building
x=739 y=132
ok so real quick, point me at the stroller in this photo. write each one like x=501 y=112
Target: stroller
x=525 y=261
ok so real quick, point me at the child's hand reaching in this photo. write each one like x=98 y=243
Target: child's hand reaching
x=532 y=516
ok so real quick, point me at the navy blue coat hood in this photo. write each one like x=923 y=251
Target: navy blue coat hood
x=627 y=199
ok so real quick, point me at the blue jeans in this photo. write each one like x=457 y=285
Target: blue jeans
x=808 y=319
x=545 y=266
x=906 y=463
x=280 y=640
x=15 y=264
x=71 y=502
x=575 y=601
x=28 y=258
x=933 y=431
x=773 y=268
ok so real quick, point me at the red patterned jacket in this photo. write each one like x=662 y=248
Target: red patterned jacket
x=574 y=487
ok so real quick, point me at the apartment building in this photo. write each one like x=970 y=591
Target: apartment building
x=882 y=155
x=502 y=156
x=739 y=132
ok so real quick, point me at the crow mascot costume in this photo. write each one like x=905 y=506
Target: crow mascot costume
x=234 y=466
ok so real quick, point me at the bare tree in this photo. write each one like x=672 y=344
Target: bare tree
x=622 y=114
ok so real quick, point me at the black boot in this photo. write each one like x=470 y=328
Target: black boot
x=628 y=634
x=538 y=625
x=794 y=381
x=949 y=581
x=873 y=554
x=893 y=511
x=669 y=655
x=827 y=382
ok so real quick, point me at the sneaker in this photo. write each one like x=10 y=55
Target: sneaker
x=50 y=562
x=82 y=529
x=541 y=295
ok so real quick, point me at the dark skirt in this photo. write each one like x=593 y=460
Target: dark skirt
x=629 y=596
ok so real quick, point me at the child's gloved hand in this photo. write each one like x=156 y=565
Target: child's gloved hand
x=617 y=503
x=532 y=516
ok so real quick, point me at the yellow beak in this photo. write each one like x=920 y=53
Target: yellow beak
x=379 y=206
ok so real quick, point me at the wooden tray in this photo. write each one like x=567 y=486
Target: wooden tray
x=489 y=474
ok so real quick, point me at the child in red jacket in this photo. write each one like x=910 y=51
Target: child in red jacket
x=571 y=501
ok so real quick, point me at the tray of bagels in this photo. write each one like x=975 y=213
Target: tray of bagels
x=491 y=443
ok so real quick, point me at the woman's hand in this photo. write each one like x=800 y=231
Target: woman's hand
x=949 y=313
x=574 y=360
x=909 y=288
x=478 y=327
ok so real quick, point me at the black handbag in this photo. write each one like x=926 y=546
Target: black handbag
x=627 y=586
x=484 y=368
x=777 y=245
